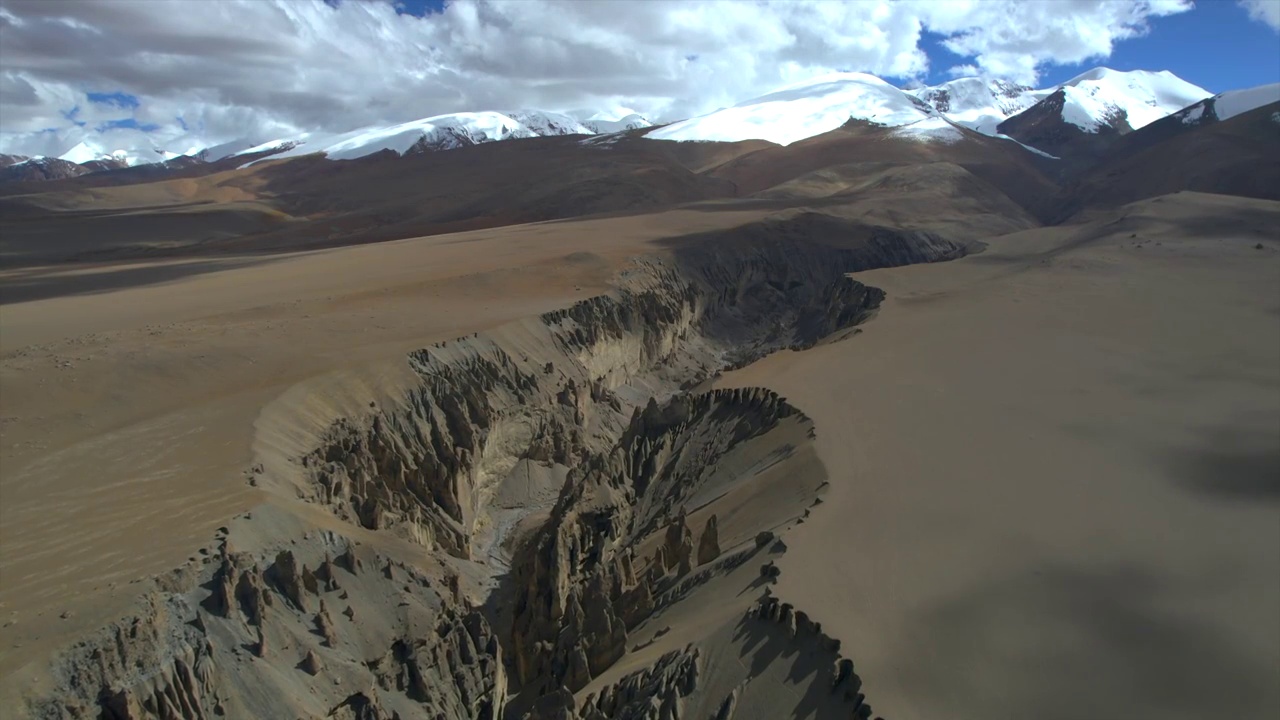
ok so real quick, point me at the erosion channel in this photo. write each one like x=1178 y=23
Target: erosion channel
x=555 y=519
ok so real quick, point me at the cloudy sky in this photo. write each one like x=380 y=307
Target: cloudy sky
x=178 y=74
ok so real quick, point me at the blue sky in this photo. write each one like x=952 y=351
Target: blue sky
x=1216 y=46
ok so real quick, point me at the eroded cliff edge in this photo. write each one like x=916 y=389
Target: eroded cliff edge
x=550 y=521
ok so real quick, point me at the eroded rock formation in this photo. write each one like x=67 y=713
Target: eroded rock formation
x=319 y=625
x=188 y=653
x=579 y=589
x=422 y=468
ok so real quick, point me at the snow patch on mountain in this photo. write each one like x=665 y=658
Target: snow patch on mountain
x=1224 y=106
x=167 y=155
x=1037 y=151
x=802 y=110
x=279 y=145
x=215 y=153
x=603 y=123
x=1234 y=102
x=1193 y=114
x=934 y=129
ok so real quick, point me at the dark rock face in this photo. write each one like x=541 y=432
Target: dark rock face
x=1042 y=127
x=7 y=160
x=104 y=164
x=582 y=558
x=709 y=543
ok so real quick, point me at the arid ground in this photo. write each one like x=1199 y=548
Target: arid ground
x=501 y=465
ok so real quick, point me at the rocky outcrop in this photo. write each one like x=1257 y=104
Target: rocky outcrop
x=655 y=693
x=191 y=649
x=578 y=586
x=456 y=670
x=677 y=549
x=414 y=467
x=709 y=544
x=846 y=685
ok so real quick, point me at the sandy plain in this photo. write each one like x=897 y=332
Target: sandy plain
x=1056 y=473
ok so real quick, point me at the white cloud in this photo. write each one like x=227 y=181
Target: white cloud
x=1012 y=40
x=271 y=68
x=1264 y=11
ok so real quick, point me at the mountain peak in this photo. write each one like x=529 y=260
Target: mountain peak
x=1089 y=101
x=979 y=103
x=804 y=109
x=1142 y=96
x=85 y=152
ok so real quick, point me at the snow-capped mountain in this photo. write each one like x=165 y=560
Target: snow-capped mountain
x=542 y=123
x=85 y=158
x=441 y=132
x=18 y=168
x=805 y=109
x=1098 y=97
x=604 y=124
x=1080 y=119
x=1090 y=101
x=1197 y=120
x=1224 y=106
x=85 y=152
x=979 y=103
x=1055 y=121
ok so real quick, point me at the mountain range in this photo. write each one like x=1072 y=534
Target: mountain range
x=1077 y=120
x=1102 y=139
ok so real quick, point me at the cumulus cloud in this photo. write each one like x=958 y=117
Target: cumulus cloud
x=1013 y=40
x=209 y=72
x=1264 y=11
